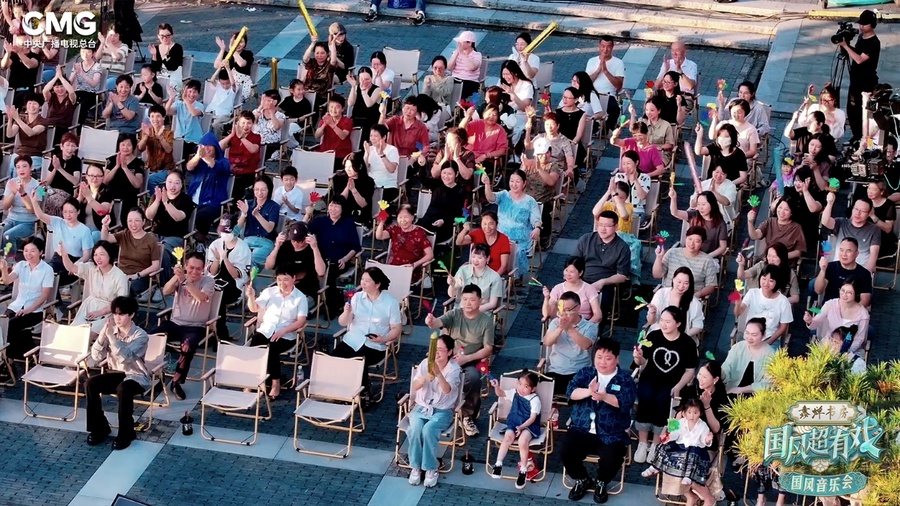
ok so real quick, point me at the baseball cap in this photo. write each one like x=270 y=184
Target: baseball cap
x=227 y=223
x=541 y=146
x=867 y=17
x=298 y=232
x=466 y=36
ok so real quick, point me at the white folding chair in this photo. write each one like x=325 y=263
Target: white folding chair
x=58 y=362
x=330 y=399
x=5 y=362
x=314 y=165
x=404 y=63
x=543 y=443
x=97 y=145
x=236 y=384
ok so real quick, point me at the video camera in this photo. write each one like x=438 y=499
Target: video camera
x=846 y=31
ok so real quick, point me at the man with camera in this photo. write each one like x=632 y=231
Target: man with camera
x=863 y=68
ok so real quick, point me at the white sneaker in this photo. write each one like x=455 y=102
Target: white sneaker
x=651 y=453
x=469 y=427
x=431 y=478
x=649 y=472
x=415 y=476
x=640 y=455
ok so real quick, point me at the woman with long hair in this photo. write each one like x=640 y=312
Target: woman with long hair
x=830 y=105
x=520 y=91
x=170 y=212
x=573 y=281
x=103 y=282
x=588 y=99
x=724 y=151
x=707 y=215
x=365 y=99
x=777 y=255
x=354 y=184
x=638 y=181
x=674 y=107
x=747 y=136
x=843 y=311
x=680 y=295
x=780 y=228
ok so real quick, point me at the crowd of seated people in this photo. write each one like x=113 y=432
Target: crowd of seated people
x=188 y=202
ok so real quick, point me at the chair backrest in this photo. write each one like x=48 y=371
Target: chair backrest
x=402 y=168
x=425 y=201
x=156 y=350
x=355 y=137
x=241 y=366
x=404 y=63
x=456 y=92
x=97 y=145
x=254 y=72
x=335 y=378
x=187 y=66
x=544 y=77
x=544 y=392
x=377 y=196
x=652 y=200
x=301 y=71
x=314 y=165
x=400 y=276
x=483 y=71
x=61 y=345
x=4 y=328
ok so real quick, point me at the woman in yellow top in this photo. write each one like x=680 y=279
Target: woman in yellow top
x=617 y=200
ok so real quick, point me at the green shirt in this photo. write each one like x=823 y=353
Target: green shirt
x=471 y=335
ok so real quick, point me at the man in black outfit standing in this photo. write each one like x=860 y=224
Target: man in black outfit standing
x=863 y=69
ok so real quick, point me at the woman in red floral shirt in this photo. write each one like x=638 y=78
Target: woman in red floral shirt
x=409 y=243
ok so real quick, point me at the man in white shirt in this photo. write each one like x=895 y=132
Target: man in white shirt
x=678 y=62
x=608 y=74
x=281 y=311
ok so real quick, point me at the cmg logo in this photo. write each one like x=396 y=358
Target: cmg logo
x=65 y=23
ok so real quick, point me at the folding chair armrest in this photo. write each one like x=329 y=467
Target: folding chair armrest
x=209 y=374
x=540 y=365
x=339 y=335
x=302 y=385
x=251 y=322
x=494 y=407
x=6 y=298
x=47 y=305
x=157 y=368
x=381 y=255
x=212 y=321
x=190 y=235
x=73 y=306
x=447 y=303
x=32 y=352
x=165 y=313
x=83 y=358
x=403 y=400
x=103 y=363
x=4 y=346
x=357 y=392
x=262 y=382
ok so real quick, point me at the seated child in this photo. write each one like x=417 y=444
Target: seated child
x=295 y=106
x=840 y=342
x=786 y=178
x=523 y=422
x=684 y=455
x=221 y=105
x=289 y=196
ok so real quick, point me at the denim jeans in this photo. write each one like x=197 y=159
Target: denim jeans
x=423 y=434
x=157 y=178
x=14 y=230
x=260 y=247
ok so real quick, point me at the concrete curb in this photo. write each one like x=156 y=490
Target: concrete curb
x=576 y=25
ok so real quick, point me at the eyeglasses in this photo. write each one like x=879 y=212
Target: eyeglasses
x=828 y=100
x=164 y=35
x=95 y=175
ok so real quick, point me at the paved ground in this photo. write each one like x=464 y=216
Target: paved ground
x=49 y=463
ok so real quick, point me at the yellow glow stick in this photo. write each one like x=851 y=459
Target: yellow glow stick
x=274 y=73
x=541 y=38
x=237 y=40
x=309 y=24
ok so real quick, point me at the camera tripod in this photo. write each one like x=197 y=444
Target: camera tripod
x=838 y=66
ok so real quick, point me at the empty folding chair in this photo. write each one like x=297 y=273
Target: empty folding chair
x=59 y=362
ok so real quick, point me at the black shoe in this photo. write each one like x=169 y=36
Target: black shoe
x=520 y=480
x=95 y=439
x=120 y=443
x=600 y=493
x=497 y=472
x=579 y=489
x=371 y=16
x=419 y=20
x=177 y=391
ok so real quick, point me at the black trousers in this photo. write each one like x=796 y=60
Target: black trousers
x=612 y=110
x=276 y=348
x=189 y=337
x=560 y=382
x=111 y=383
x=854 y=107
x=577 y=445
x=370 y=356
x=19 y=339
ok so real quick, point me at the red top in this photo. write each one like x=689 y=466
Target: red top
x=332 y=142
x=405 y=139
x=243 y=162
x=500 y=247
x=484 y=142
x=408 y=247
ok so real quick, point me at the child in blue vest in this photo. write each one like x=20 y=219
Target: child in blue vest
x=523 y=422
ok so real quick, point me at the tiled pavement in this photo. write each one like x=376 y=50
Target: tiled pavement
x=188 y=470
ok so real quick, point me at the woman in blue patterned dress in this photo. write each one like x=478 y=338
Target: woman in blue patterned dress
x=519 y=215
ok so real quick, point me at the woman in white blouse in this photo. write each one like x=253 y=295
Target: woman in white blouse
x=829 y=104
x=520 y=90
x=372 y=319
x=103 y=282
x=434 y=393
x=681 y=295
x=382 y=161
x=530 y=63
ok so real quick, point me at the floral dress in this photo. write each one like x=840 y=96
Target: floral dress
x=517 y=218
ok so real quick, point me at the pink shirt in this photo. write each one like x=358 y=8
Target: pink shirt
x=484 y=142
x=586 y=294
x=466 y=61
x=650 y=157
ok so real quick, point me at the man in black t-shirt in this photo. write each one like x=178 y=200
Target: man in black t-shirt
x=863 y=68
x=833 y=274
x=300 y=249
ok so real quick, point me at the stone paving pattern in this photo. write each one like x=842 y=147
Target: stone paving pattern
x=232 y=479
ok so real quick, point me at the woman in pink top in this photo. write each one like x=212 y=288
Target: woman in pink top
x=844 y=311
x=651 y=161
x=465 y=63
x=487 y=139
x=573 y=282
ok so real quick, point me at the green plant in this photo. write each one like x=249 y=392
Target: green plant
x=824 y=375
